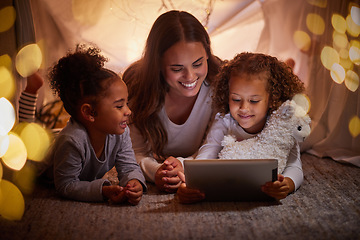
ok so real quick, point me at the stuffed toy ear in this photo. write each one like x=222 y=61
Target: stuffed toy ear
x=287 y=110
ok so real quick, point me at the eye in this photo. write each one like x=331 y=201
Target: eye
x=176 y=69
x=254 y=101
x=299 y=128
x=197 y=65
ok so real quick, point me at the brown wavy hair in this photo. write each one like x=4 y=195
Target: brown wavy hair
x=146 y=84
x=282 y=83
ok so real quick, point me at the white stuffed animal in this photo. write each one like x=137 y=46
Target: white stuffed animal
x=288 y=124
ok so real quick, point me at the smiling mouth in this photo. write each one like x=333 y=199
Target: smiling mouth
x=189 y=85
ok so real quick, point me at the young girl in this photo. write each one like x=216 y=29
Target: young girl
x=248 y=89
x=97 y=136
x=169 y=93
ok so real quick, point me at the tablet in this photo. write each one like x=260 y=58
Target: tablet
x=231 y=180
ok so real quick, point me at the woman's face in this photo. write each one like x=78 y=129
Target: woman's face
x=184 y=67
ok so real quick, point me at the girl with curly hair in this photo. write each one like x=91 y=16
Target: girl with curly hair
x=246 y=91
x=169 y=94
x=97 y=137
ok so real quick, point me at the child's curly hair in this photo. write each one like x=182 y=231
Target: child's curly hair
x=81 y=76
x=282 y=85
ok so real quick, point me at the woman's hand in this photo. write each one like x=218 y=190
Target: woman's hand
x=280 y=188
x=166 y=177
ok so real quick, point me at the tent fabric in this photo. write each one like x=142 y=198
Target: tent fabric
x=120 y=29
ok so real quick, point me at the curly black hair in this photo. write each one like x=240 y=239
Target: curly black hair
x=80 y=75
x=282 y=85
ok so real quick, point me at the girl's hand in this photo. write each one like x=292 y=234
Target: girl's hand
x=188 y=195
x=133 y=191
x=166 y=177
x=114 y=193
x=280 y=188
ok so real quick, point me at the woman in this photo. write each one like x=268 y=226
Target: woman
x=169 y=94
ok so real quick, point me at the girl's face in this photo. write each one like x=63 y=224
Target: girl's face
x=249 y=101
x=112 y=111
x=184 y=67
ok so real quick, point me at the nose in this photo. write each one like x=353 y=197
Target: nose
x=190 y=74
x=244 y=106
x=127 y=111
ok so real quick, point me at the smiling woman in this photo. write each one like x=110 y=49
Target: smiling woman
x=169 y=94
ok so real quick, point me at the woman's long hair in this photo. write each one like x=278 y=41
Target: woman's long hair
x=146 y=84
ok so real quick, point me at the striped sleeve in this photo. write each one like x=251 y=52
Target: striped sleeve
x=27 y=107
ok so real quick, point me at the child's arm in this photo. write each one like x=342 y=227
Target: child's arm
x=133 y=191
x=212 y=145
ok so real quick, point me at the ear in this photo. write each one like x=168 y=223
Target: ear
x=287 y=110
x=87 y=112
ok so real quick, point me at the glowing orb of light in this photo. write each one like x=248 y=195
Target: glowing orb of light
x=28 y=60
x=36 y=139
x=25 y=179
x=340 y=40
x=302 y=40
x=339 y=23
x=7 y=18
x=7 y=83
x=354 y=55
x=354 y=126
x=315 y=23
x=15 y=156
x=4 y=144
x=355 y=15
x=337 y=73
x=352 y=28
x=352 y=80
x=7 y=116
x=318 y=3
x=303 y=101
x=329 y=56
x=12 y=204
x=5 y=61
x=346 y=63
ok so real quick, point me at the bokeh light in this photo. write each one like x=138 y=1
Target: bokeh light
x=5 y=60
x=7 y=116
x=28 y=60
x=355 y=14
x=4 y=144
x=25 y=179
x=339 y=23
x=354 y=126
x=36 y=139
x=7 y=83
x=340 y=40
x=337 y=73
x=352 y=28
x=329 y=56
x=346 y=63
x=352 y=80
x=7 y=18
x=12 y=204
x=315 y=23
x=354 y=55
x=302 y=40
x=15 y=156
x=303 y=101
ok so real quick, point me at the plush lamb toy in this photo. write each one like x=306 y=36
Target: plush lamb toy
x=288 y=124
